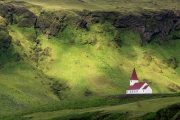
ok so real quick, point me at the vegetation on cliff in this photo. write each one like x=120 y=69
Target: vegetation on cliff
x=49 y=56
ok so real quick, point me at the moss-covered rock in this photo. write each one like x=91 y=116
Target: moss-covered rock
x=3 y=22
x=173 y=62
x=26 y=19
x=50 y=23
x=82 y=23
x=5 y=38
x=24 y=22
x=6 y=11
x=54 y=28
x=6 y=8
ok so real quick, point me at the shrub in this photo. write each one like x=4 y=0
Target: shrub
x=5 y=40
x=150 y=116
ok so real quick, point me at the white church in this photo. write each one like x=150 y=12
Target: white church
x=137 y=87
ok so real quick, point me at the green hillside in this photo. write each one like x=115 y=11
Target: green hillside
x=57 y=52
x=123 y=6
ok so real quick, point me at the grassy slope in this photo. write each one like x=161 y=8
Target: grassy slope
x=122 y=6
x=22 y=85
x=103 y=68
x=97 y=68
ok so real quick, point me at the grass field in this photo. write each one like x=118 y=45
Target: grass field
x=123 y=6
x=136 y=109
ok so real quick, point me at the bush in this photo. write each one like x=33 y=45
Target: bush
x=5 y=40
x=99 y=115
x=150 y=116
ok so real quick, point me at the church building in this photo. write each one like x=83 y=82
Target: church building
x=137 y=87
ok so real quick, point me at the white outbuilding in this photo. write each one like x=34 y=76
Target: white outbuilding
x=137 y=87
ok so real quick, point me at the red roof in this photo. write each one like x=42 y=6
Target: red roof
x=134 y=75
x=136 y=86
x=145 y=87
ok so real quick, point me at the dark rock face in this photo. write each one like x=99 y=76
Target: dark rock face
x=27 y=18
x=6 y=8
x=130 y=21
x=5 y=41
x=54 y=28
x=98 y=17
x=50 y=23
x=151 y=25
x=25 y=22
x=5 y=38
x=6 y=11
x=40 y=23
x=106 y=16
x=21 y=11
x=82 y=23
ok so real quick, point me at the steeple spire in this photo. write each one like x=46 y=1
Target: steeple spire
x=134 y=75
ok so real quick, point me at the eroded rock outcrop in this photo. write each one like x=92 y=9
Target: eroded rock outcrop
x=5 y=38
x=26 y=19
x=6 y=11
x=152 y=24
x=148 y=24
x=50 y=23
x=82 y=23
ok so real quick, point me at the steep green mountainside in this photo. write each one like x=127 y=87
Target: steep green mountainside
x=52 y=56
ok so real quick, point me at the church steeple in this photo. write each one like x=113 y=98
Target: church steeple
x=134 y=78
x=134 y=75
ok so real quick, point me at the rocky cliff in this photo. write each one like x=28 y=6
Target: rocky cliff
x=148 y=24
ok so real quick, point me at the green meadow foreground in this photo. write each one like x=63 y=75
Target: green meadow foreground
x=58 y=59
x=136 y=109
